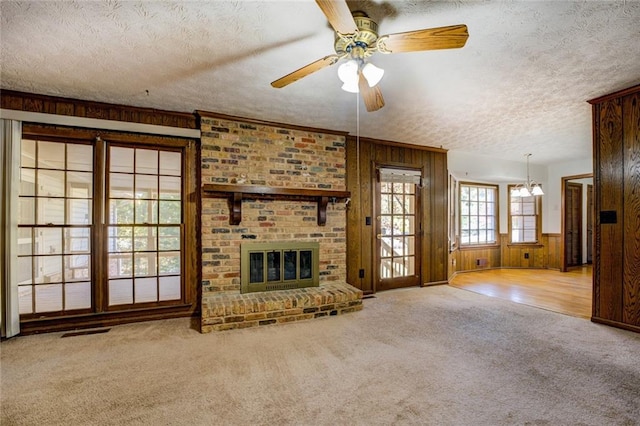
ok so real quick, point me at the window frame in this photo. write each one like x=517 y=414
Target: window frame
x=65 y=227
x=538 y=219
x=101 y=313
x=496 y=216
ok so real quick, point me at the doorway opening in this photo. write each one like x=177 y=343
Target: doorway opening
x=577 y=221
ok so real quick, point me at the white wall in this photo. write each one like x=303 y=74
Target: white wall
x=485 y=169
x=552 y=208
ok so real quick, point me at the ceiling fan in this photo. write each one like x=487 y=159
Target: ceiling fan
x=357 y=39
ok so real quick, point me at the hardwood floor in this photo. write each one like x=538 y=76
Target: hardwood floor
x=564 y=292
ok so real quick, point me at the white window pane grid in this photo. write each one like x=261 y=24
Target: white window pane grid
x=80 y=157
x=50 y=155
x=121 y=159
x=477 y=215
x=121 y=211
x=56 y=189
x=77 y=295
x=120 y=292
x=398 y=222
x=170 y=163
x=27 y=182
x=120 y=185
x=28 y=153
x=169 y=288
x=146 y=161
x=145 y=290
x=146 y=187
x=523 y=219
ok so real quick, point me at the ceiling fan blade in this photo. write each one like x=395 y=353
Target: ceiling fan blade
x=305 y=71
x=339 y=15
x=372 y=96
x=451 y=37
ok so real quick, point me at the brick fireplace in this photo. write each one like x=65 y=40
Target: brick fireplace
x=246 y=154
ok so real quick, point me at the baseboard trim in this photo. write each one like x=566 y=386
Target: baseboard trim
x=617 y=324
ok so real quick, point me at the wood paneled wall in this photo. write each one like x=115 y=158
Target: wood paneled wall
x=362 y=158
x=471 y=259
x=79 y=108
x=523 y=255
x=616 y=147
x=554 y=250
x=545 y=255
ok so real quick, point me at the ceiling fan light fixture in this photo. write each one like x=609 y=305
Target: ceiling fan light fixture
x=349 y=75
x=372 y=73
x=348 y=72
x=351 y=87
x=356 y=39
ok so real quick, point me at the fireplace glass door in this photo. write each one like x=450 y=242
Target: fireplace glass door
x=279 y=266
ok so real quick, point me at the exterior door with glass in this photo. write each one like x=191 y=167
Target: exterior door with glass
x=398 y=229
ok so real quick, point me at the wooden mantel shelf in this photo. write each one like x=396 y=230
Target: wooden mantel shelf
x=236 y=193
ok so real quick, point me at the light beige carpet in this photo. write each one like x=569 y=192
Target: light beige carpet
x=429 y=356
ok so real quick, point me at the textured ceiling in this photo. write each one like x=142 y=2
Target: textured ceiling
x=519 y=85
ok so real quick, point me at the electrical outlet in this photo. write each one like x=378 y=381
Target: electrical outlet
x=526 y=255
x=361 y=273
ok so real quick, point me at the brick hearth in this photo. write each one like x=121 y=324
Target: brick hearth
x=226 y=311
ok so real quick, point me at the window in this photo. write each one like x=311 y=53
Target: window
x=54 y=236
x=103 y=225
x=478 y=214
x=144 y=197
x=524 y=218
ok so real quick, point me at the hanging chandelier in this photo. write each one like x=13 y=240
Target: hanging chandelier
x=529 y=188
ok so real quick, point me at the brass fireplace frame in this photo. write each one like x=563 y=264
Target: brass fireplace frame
x=246 y=249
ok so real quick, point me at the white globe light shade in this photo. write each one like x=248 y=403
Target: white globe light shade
x=348 y=72
x=536 y=190
x=351 y=87
x=372 y=73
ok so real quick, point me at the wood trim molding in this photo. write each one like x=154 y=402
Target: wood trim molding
x=352 y=138
x=75 y=133
x=429 y=284
x=236 y=193
x=106 y=319
x=206 y=114
x=618 y=94
x=617 y=324
x=36 y=103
